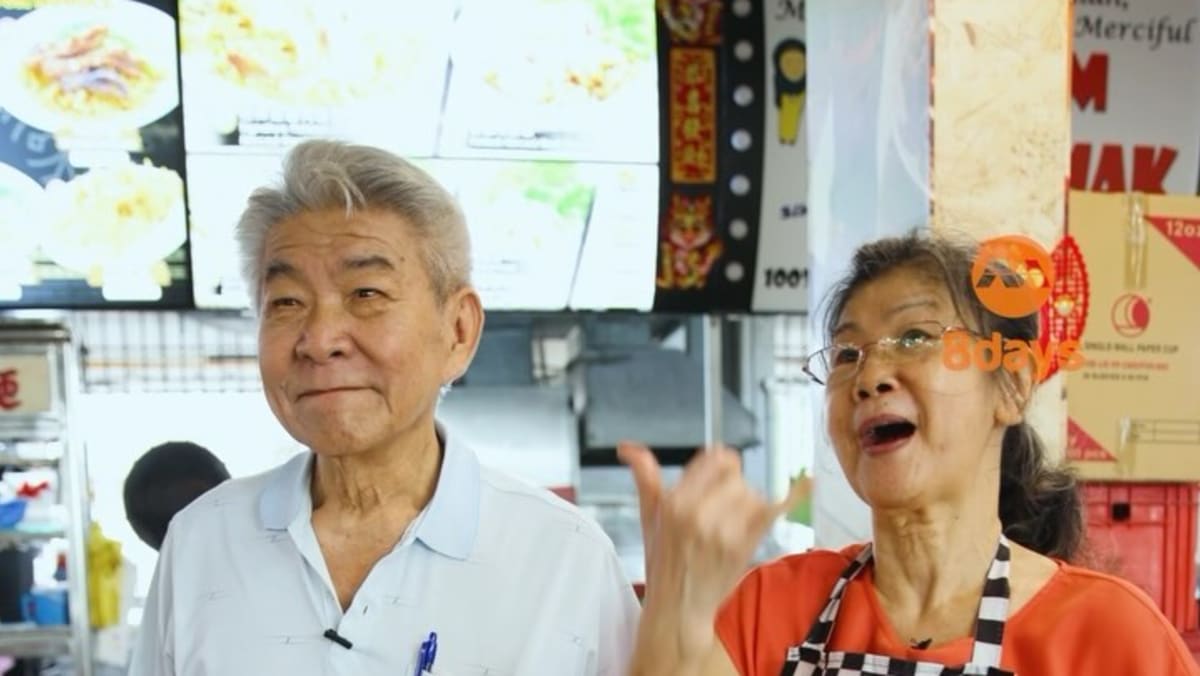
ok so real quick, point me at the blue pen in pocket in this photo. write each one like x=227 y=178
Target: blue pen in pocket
x=427 y=655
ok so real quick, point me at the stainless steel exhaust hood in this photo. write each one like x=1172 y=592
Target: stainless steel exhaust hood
x=654 y=396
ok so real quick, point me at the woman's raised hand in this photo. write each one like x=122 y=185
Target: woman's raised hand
x=700 y=536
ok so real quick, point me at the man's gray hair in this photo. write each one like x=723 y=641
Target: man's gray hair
x=321 y=175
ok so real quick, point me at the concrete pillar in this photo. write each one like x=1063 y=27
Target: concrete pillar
x=1001 y=128
x=952 y=114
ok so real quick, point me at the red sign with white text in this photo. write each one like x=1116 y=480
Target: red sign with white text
x=1135 y=95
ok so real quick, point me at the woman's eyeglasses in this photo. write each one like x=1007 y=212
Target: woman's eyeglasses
x=838 y=363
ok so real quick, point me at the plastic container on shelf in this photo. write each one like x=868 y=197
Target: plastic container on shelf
x=44 y=513
x=1146 y=533
x=11 y=513
x=46 y=607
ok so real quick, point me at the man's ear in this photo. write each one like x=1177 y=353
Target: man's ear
x=464 y=326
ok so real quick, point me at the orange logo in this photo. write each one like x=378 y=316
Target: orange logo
x=1012 y=275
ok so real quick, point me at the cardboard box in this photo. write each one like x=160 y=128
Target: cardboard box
x=1134 y=407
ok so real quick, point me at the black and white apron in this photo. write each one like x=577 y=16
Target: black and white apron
x=811 y=659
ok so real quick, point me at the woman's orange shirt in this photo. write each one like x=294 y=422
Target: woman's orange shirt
x=1080 y=622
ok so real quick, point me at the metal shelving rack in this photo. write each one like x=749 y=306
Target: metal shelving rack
x=35 y=431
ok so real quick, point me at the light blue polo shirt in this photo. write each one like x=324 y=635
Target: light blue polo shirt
x=513 y=580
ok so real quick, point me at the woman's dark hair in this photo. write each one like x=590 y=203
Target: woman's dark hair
x=1039 y=503
x=165 y=480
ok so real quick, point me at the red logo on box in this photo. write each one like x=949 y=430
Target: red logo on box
x=1131 y=315
x=9 y=388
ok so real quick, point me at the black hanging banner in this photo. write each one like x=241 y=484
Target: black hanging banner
x=733 y=165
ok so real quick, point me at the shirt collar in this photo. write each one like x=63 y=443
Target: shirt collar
x=451 y=519
x=286 y=496
x=447 y=525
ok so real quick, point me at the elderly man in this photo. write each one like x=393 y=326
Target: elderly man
x=386 y=549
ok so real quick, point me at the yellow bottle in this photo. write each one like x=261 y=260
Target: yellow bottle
x=104 y=578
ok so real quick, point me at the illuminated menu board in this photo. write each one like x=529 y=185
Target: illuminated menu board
x=541 y=116
x=92 y=200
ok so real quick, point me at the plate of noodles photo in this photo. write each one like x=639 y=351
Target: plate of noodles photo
x=114 y=218
x=89 y=70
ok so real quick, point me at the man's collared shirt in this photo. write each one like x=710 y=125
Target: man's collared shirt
x=513 y=580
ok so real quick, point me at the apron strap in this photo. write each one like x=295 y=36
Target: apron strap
x=993 y=609
x=989 y=622
x=822 y=629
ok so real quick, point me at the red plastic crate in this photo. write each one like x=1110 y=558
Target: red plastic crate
x=1192 y=640
x=1146 y=533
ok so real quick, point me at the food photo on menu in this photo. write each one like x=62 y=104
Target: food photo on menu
x=100 y=70
x=267 y=74
x=115 y=224
x=517 y=123
x=90 y=130
x=545 y=235
x=553 y=87
x=558 y=235
x=527 y=222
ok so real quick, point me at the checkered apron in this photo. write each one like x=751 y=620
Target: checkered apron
x=810 y=659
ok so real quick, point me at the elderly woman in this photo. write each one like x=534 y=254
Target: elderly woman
x=968 y=571
x=385 y=547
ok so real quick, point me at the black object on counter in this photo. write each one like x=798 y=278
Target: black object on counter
x=16 y=578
